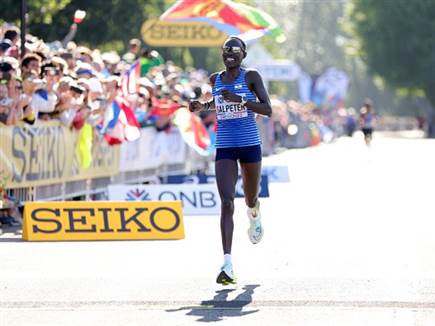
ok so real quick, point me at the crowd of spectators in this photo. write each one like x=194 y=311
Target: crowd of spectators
x=75 y=84
x=301 y=125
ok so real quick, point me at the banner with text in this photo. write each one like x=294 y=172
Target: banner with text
x=181 y=33
x=47 y=153
x=278 y=173
x=102 y=220
x=211 y=179
x=197 y=199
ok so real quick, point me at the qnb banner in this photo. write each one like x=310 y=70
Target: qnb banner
x=196 y=199
x=69 y=221
x=211 y=179
x=277 y=173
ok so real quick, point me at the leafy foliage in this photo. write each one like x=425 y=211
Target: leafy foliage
x=396 y=40
x=38 y=10
x=109 y=24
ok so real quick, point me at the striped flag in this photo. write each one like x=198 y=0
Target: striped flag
x=130 y=79
x=120 y=123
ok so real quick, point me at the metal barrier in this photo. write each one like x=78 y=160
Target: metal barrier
x=96 y=186
x=178 y=159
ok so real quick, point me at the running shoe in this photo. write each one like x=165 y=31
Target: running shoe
x=255 y=230
x=226 y=275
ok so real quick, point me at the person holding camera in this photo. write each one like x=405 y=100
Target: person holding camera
x=14 y=105
x=44 y=98
x=7 y=115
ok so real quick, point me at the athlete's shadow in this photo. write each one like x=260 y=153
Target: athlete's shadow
x=219 y=307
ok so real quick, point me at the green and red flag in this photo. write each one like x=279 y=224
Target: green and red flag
x=228 y=16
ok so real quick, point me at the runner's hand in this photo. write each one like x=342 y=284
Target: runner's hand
x=195 y=106
x=231 y=97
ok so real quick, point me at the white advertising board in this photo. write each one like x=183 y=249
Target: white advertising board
x=197 y=199
x=277 y=173
x=152 y=149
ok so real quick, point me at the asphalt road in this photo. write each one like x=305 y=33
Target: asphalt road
x=348 y=241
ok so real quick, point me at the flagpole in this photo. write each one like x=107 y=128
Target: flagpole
x=23 y=10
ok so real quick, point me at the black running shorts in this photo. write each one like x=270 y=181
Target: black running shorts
x=248 y=154
x=367 y=131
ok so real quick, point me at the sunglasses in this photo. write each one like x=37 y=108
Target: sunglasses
x=232 y=49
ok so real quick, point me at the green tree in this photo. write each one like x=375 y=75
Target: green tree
x=37 y=10
x=109 y=25
x=396 y=40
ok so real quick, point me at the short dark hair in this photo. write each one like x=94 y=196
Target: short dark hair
x=5 y=66
x=28 y=58
x=11 y=33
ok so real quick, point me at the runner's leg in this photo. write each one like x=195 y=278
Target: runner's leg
x=226 y=178
x=251 y=174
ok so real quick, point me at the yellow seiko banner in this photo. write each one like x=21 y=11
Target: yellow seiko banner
x=102 y=220
x=181 y=33
x=50 y=153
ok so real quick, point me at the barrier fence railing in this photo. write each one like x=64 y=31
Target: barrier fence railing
x=46 y=162
x=49 y=161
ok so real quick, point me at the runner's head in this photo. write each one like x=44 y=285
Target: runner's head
x=233 y=52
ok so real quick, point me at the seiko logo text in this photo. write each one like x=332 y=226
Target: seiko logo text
x=103 y=221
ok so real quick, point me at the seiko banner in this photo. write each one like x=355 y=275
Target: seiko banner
x=211 y=179
x=181 y=33
x=196 y=199
x=46 y=153
x=74 y=220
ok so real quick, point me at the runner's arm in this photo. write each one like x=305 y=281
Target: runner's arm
x=255 y=83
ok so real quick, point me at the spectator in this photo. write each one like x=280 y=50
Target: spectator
x=4 y=46
x=110 y=61
x=70 y=62
x=6 y=113
x=12 y=35
x=133 y=51
x=84 y=54
x=31 y=62
x=80 y=103
x=44 y=99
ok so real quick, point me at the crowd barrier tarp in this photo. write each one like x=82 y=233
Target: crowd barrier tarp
x=153 y=149
x=46 y=153
x=211 y=179
x=197 y=199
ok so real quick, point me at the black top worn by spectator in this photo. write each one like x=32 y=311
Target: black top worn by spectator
x=5 y=67
x=3 y=117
